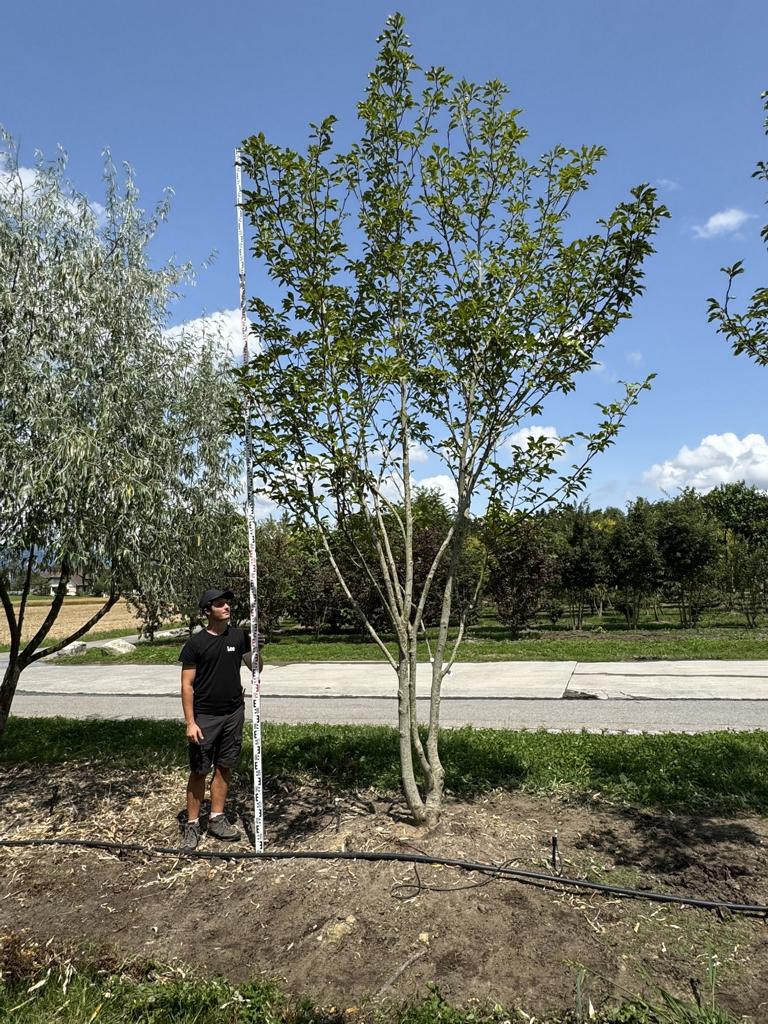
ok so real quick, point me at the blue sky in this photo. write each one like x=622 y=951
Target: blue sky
x=672 y=89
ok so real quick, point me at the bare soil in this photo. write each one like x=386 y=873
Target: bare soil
x=345 y=933
x=74 y=612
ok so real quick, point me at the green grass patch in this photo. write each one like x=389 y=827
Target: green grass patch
x=37 y=987
x=691 y=645
x=721 y=636
x=718 y=772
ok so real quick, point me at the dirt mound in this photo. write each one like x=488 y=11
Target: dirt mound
x=344 y=932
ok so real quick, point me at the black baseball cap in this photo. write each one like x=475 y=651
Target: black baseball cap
x=213 y=595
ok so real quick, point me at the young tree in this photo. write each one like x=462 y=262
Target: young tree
x=317 y=601
x=688 y=546
x=430 y=298
x=520 y=565
x=750 y=578
x=108 y=424
x=582 y=565
x=634 y=564
x=741 y=513
x=747 y=331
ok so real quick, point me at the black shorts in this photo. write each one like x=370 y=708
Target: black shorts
x=222 y=740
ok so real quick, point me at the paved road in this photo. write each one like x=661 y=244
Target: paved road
x=647 y=696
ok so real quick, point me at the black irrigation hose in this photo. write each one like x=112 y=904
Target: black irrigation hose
x=499 y=871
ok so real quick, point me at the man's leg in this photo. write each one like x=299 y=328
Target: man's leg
x=218 y=825
x=219 y=788
x=195 y=794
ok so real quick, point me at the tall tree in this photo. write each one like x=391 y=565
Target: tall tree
x=111 y=428
x=430 y=297
x=747 y=331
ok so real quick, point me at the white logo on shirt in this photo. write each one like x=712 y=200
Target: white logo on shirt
x=230 y=648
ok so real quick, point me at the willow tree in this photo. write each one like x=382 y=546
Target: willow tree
x=111 y=433
x=431 y=302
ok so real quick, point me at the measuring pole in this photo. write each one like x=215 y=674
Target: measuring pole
x=250 y=514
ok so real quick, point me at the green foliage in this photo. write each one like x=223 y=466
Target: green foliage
x=749 y=565
x=317 y=601
x=520 y=569
x=747 y=331
x=112 y=459
x=688 y=546
x=430 y=300
x=582 y=562
x=739 y=509
x=278 y=572
x=635 y=566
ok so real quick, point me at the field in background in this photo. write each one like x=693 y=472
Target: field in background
x=75 y=611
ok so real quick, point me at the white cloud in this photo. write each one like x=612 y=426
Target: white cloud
x=634 y=358
x=521 y=436
x=442 y=482
x=717 y=459
x=722 y=223
x=224 y=324
x=418 y=454
x=27 y=177
x=669 y=184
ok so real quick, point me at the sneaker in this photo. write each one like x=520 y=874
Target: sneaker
x=191 y=835
x=221 y=828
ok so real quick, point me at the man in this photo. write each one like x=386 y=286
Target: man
x=213 y=702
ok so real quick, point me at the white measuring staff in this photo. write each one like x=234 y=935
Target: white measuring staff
x=250 y=513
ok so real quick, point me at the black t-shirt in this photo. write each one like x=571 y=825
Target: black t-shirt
x=217 y=659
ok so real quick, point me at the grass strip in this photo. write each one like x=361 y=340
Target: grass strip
x=715 y=644
x=718 y=772
x=37 y=987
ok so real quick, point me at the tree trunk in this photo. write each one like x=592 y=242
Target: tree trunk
x=433 y=798
x=405 y=709
x=7 y=691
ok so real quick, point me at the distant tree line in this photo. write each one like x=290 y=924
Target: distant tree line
x=695 y=552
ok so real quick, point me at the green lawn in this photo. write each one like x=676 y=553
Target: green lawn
x=721 y=772
x=722 y=635
x=489 y=643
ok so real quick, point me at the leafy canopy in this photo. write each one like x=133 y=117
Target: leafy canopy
x=114 y=452
x=430 y=295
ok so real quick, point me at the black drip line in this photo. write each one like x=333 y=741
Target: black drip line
x=494 y=871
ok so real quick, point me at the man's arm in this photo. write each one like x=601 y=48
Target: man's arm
x=194 y=732
x=248 y=661
x=247 y=658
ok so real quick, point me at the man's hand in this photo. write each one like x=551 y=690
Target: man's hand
x=194 y=733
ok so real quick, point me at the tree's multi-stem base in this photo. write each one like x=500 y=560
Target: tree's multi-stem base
x=424 y=803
